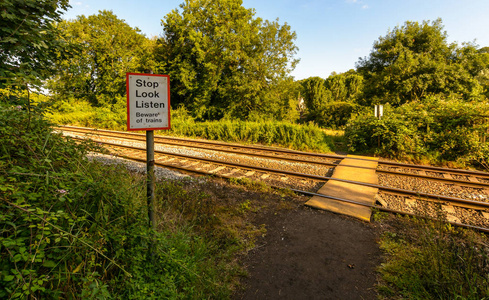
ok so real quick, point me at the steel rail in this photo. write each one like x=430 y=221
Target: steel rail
x=246 y=167
x=219 y=143
x=482 y=229
x=438 y=179
x=432 y=168
x=415 y=167
x=138 y=138
x=457 y=201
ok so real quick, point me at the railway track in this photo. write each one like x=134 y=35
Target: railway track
x=462 y=194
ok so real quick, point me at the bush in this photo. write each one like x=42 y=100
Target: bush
x=71 y=228
x=82 y=113
x=434 y=129
x=333 y=114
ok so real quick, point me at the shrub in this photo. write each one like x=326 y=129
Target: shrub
x=82 y=113
x=333 y=114
x=437 y=129
x=71 y=228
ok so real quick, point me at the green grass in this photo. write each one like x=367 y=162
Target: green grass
x=432 y=260
x=271 y=133
x=308 y=137
x=72 y=228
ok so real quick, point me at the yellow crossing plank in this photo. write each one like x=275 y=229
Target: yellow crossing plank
x=349 y=191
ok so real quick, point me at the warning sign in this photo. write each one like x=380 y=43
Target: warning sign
x=148 y=101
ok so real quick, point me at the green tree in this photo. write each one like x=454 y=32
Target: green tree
x=28 y=39
x=223 y=61
x=331 y=102
x=476 y=61
x=315 y=95
x=345 y=87
x=414 y=61
x=103 y=49
x=282 y=102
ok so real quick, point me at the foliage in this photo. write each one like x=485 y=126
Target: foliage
x=331 y=102
x=345 y=87
x=440 y=129
x=315 y=95
x=335 y=114
x=225 y=62
x=82 y=113
x=415 y=61
x=300 y=137
x=285 y=134
x=28 y=39
x=103 y=49
x=23 y=97
x=432 y=260
x=71 y=228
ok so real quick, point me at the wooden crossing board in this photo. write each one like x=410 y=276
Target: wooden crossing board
x=349 y=191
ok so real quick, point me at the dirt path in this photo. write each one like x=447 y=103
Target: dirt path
x=312 y=254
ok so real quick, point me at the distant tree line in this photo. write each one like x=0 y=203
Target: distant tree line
x=222 y=60
x=226 y=63
x=412 y=62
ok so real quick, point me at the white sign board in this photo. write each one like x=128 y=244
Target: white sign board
x=148 y=101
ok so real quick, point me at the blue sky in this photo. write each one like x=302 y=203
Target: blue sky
x=331 y=34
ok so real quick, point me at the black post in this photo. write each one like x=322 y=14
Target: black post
x=150 y=169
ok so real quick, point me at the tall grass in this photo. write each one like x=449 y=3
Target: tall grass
x=433 y=260
x=273 y=133
x=82 y=113
x=71 y=228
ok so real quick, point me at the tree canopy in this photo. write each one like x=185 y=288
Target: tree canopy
x=223 y=61
x=331 y=101
x=414 y=61
x=28 y=39
x=103 y=48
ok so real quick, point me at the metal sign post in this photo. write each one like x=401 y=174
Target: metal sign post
x=150 y=180
x=148 y=108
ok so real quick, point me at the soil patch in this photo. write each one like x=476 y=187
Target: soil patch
x=312 y=254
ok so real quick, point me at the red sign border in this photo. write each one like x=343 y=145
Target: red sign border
x=127 y=99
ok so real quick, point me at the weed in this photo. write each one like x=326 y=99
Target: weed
x=251 y=184
x=71 y=228
x=300 y=137
x=245 y=206
x=433 y=260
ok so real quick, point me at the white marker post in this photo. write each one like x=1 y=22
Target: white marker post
x=378 y=113
x=148 y=108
